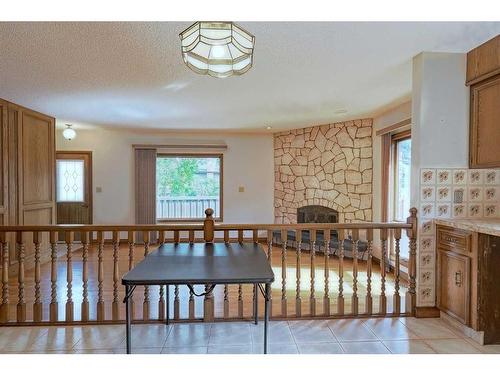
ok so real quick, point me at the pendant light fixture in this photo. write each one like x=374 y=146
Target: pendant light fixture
x=69 y=133
x=219 y=49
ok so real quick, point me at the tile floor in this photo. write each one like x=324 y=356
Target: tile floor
x=351 y=336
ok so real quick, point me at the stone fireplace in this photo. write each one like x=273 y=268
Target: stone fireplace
x=329 y=166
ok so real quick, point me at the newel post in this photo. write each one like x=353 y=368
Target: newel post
x=411 y=296
x=208 y=226
x=208 y=236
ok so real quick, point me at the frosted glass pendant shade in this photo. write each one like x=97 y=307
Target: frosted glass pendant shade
x=219 y=49
x=69 y=133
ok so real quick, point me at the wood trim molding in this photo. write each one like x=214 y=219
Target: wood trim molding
x=386 y=164
x=392 y=128
x=427 y=312
x=181 y=146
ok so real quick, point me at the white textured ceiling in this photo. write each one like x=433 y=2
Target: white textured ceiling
x=132 y=74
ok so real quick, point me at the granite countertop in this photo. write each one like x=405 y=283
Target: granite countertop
x=486 y=226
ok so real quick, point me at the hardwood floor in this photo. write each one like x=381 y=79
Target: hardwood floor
x=247 y=290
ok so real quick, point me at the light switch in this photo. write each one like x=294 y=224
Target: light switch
x=241 y=189
x=98 y=189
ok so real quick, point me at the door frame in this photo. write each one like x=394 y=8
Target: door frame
x=89 y=177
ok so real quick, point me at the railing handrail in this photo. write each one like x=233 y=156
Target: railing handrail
x=199 y=227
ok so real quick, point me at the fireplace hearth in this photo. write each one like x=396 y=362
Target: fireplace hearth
x=320 y=214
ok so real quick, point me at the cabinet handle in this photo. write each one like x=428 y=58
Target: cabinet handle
x=458 y=278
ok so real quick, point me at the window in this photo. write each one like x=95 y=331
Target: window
x=70 y=186
x=186 y=185
x=401 y=169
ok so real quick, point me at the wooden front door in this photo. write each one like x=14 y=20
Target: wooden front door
x=74 y=187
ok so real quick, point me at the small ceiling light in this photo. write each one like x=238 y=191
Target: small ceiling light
x=69 y=132
x=219 y=49
x=269 y=127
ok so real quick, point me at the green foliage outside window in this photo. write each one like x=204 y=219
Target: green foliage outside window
x=181 y=176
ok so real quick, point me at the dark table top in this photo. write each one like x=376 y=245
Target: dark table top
x=202 y=263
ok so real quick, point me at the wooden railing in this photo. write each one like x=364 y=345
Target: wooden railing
x=60 y=274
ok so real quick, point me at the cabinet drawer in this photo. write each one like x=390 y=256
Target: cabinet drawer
x=453 y=239
x=454 y=285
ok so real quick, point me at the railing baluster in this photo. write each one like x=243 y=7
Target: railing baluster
x=284 y=240
x=397 y=298
x=146 y=303
x=85 y=276
x=100 y=276
x=312 y=253
x=326 y=298
x=411 y=297
x=270 y=260
x=369 y=298
x=69 y=275
x=54 y=308
x=340 y=301
x=131 y=261
x=355 y=300
x=298 y=300
x=176 y=287
x=226 y=301
x=240 y=301
x=226 y=287
x=21 y=304
x=383 y=255
x=115 y=306
x=37 y=305
x=161 y=298
x=240 y=287
x=4 y=308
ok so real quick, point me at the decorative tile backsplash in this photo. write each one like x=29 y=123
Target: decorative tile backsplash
x=450 y=193
x=459 y=193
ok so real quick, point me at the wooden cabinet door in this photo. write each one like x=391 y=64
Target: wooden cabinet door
x=484 y=139
x=454 y=284
x=4 y=176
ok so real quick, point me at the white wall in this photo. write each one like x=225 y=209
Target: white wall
x=248 y=162
x=440 y=132
x=440 y=113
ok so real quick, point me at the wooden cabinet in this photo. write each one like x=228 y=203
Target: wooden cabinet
x=484 y=61
x=454 y=273
x=489 y=288
x=483 y=75
x=484 y=136
x=27 y=170
x=454 y=285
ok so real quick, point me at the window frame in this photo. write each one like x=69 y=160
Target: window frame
x=220 y=156
x=395 y=139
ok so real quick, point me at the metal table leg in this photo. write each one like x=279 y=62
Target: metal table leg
x=128 y=296
x=167 y=321
x=266 y=314
x=256 y=303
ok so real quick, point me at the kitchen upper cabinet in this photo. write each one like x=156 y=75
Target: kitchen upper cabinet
x=484 y=61
x=485 y=124
x=483 y=76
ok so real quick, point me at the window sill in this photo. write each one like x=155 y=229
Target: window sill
x=172 y=221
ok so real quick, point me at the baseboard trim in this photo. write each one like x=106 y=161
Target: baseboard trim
x=427 y=312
